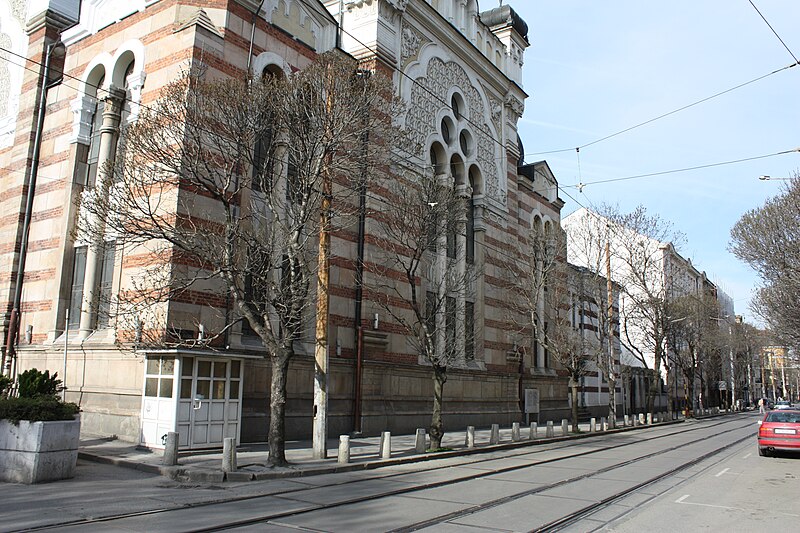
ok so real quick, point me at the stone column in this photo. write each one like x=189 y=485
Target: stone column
x=109 y=133
x=461 y=276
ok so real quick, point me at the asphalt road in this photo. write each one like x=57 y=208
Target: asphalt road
x=693 y=476
x=734 y=491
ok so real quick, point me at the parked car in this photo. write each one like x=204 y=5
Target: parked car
x=783 y=404
x=779 y=430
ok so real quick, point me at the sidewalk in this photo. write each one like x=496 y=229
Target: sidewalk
x=206 y=466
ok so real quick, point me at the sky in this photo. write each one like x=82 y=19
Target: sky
x=595 y=68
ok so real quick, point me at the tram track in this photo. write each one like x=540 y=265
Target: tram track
x=110 y=519
x=572 y=517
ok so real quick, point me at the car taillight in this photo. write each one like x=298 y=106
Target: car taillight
x=763 y=431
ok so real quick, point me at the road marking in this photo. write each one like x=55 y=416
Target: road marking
x=682 y=498
x=722 y=472
x=748 y=455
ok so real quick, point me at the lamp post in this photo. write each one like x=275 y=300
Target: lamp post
x=770 y=178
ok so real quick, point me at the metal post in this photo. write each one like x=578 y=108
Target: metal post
x=66 y=345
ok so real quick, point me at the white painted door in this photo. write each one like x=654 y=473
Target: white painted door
x=159 y=400
x=209 y=408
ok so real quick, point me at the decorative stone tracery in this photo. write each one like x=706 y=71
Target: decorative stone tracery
x=428 y=96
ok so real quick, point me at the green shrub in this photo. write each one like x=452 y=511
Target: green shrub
x=39 y=409
x=36 y=384
x=5 y=385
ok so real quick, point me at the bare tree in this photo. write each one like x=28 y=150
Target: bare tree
x=547 y=303
x=216 y=200
x=420 y=276
x=637 y=242
x=695 y=341
x=768 y=239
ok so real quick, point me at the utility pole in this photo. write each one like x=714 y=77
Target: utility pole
x=612 y=380
x=320 y=429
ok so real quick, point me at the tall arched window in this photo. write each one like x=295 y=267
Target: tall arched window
x=107 y=103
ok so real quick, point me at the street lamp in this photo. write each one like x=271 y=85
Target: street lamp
x=770 y=178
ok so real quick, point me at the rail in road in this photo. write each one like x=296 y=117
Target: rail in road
x=334 y=505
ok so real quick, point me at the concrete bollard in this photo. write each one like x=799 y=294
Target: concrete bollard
x=564 y=427
x=470 y=440
x=171 y=449
x=549 y=433
x=229 y=454
x=420 y=444
x=592 y=425
x=344 y=449
x=649 y=419
x=626 y=421
x=603 y=423
x=494 y=438
x=386 y=445
x=641 y=419
x=515 y=431
x=534 y=431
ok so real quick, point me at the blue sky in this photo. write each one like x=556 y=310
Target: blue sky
x=594 y=68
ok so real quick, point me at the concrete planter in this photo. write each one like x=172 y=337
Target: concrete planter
x=33 y=452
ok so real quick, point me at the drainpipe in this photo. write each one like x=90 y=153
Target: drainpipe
x=359 y=279
x=253 y=36
x=13 y=326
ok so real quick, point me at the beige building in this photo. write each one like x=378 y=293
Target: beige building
x=459 y=73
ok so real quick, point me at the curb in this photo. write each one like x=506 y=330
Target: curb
x=204 y=475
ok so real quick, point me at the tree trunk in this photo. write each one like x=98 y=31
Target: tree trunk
x=277 y=412
x=574 y=392
x=651 y=391
x=437 y=426
x=612 y=399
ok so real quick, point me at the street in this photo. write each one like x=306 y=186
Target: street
x=696 y=475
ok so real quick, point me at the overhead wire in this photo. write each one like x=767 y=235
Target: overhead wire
x=775 y=32
x=686 y=169
x=413 y=157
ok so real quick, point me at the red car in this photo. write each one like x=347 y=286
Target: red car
x=780 y=430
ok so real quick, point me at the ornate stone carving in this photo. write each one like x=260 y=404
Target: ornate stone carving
x=82 y=110
x=134 y=96
x=362 y=8
x=5 y=75
x=515 y=105
x=497 y=113
x=399 y=5
x=18 y=10
x=430 y=93
x=410 y=44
